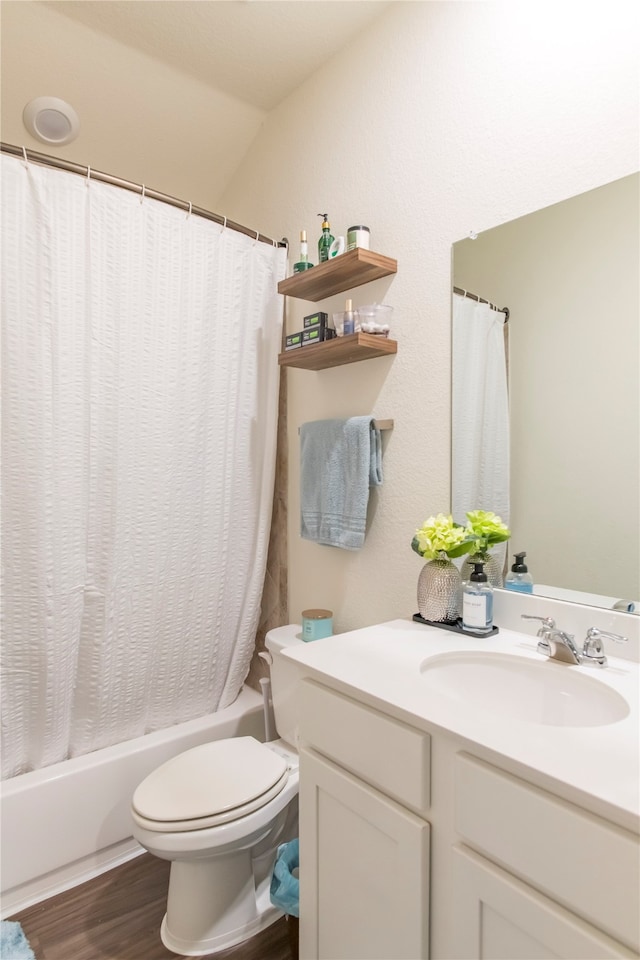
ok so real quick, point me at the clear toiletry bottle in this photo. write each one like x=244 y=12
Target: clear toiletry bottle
x=519 y=578
x=303 y=263
x=349 y=323
x=477 y=602
x=325 y=241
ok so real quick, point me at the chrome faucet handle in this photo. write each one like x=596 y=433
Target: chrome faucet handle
x=548 y=624
x=593 y=648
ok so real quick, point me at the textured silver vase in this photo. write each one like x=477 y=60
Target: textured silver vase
x=492 y=568
x=438 y=590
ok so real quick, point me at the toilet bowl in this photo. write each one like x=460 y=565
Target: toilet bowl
x=218 y=812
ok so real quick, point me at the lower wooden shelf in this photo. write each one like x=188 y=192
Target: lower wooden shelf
x=334 y=353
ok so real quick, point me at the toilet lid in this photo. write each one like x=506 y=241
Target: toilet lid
x=210 y=779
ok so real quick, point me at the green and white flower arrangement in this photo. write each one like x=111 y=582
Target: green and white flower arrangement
x=440 y=538
x=486 y=529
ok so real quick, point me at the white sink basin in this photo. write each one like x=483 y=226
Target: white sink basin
x=516 y=688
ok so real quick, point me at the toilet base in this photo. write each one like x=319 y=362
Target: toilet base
x=215 y=905
x=266 y=915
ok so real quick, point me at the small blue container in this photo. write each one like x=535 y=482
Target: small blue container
x=316 y=624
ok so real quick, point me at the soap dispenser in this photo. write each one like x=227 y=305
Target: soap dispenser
x=325 y=241
x=477 y=602
x=519 y=578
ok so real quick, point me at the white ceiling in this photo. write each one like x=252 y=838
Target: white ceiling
x=258 y=51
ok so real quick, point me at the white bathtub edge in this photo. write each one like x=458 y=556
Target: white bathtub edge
x=69 y=822
x=65 y=878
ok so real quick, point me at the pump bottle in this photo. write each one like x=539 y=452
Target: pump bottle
x=477 y=602
x=519 y=578
x=325 y=241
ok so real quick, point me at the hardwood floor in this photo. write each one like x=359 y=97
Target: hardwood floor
x=117 y=916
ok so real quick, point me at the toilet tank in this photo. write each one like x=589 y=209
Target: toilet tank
x=285 y=676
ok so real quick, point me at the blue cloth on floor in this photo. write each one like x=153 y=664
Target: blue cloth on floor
x=339 y=461
x=285 y=885
x=13 y=943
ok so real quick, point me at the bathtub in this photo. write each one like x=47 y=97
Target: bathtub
x=69 y=822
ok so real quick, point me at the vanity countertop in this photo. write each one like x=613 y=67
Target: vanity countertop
x=596 y=765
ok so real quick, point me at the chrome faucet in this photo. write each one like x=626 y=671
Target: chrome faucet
x=562 y=647
x=559 y=645
x=593 y=649
x=554 y=643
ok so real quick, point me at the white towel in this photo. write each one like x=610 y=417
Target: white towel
x=339 y=460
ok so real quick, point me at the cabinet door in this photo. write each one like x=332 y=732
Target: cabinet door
x=364 y=870
x=499 y=918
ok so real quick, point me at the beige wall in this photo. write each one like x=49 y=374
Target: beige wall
x=444 y=118
x=139 y=119
x=570 y=275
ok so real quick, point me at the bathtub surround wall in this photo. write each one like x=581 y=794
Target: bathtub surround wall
x=140 y=390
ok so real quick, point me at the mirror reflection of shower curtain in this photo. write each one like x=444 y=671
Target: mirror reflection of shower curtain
x=480 y=413
x=140 y=402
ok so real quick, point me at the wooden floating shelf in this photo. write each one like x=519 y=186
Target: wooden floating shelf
x=342 y=273
x=334 y=353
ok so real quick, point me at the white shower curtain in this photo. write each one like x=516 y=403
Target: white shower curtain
x=480 y=413
x=140 y=400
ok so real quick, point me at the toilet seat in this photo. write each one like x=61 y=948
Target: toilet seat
x=208 y=785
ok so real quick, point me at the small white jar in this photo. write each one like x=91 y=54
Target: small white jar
x=358 y=236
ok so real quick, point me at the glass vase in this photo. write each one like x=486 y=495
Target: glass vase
x=492 y=568
x=439 y=591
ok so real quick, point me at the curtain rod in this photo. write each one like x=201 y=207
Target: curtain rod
x=474 y=296
x=70 y=167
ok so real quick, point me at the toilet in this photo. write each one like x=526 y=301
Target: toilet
x=218 y=812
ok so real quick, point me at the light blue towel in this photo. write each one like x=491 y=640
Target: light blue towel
x=13 y=943
x=339 y=460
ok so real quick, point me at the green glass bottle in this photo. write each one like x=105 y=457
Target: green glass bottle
x=325 y=240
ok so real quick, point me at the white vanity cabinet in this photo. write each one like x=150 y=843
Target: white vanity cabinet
x=535 y=876
x=399 y=823
x=500 y=918
x=364 y=841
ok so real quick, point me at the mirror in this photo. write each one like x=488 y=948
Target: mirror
x=569 y=276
